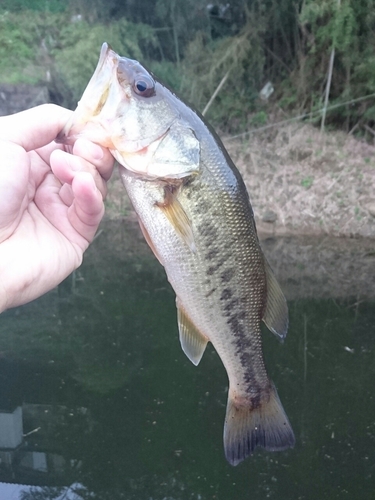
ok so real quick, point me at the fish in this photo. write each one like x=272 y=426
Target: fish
x=195 y=214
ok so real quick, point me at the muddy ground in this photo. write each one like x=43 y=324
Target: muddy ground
x=300 y=182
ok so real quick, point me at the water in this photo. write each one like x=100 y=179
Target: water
x=96 y=393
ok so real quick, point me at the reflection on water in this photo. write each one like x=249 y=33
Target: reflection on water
x=96 y=394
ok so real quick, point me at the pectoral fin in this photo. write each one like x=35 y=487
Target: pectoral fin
x=193 y=343
x=176 y=215
x=276 y=313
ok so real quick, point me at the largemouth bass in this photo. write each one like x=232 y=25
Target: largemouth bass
x=196 y=215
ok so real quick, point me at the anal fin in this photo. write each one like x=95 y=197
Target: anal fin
x=276 y=313
x=193 y=343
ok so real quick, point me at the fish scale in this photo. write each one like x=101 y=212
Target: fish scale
x=196 y=216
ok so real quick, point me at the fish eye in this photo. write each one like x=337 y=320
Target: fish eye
x=144 y=86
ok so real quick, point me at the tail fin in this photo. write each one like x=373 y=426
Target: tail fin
x=266 y=426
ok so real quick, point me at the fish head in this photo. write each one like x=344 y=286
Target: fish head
x=125 y=109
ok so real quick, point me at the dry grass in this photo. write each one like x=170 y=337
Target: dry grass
x=311 y=184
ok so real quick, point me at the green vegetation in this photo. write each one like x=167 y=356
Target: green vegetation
x=307 y=182
x=192 y=45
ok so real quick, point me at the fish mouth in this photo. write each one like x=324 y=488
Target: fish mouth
x=103 y=90
x=113 y=114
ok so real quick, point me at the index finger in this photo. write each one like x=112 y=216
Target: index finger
x=34 y=127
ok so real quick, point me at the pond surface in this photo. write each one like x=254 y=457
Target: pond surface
x=97 y=395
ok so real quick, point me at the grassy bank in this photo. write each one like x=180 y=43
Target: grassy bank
x=299 y=180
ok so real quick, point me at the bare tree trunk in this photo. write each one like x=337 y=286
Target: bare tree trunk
x=175 y=32
x=328 y=86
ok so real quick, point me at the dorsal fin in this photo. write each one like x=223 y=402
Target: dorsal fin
x=276 y=313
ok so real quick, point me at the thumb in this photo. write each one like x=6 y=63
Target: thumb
x=34 y=127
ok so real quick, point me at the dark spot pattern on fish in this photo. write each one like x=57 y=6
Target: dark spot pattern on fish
x=238 y=329
x=241 y=315
x=227 y=275
x=208 y=230
x=212 y=254
x=247 y=347
x=258 y=395
x=256 y=401
x=229 y=306
x=212 y=269
x=210 y=242
x=253 y=389
x=204 y=206
x=226 y=294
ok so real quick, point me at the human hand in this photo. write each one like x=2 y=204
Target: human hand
x=51 y=202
